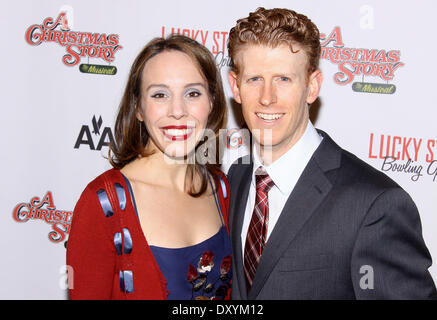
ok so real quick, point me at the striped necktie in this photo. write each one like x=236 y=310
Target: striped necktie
x=257 y=232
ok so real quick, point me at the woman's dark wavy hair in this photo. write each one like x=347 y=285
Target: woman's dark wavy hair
x=130 y=134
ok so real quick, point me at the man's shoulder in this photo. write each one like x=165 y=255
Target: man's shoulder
x=348 y=169
x=362 y=172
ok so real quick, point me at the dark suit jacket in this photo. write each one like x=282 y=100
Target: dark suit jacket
x=347 y=231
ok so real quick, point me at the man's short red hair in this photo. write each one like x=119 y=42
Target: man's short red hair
x=275 y=27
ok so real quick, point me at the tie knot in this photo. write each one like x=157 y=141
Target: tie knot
x=263 y=180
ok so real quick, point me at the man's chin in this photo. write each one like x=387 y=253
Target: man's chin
x=267 y=142
x=263 y=144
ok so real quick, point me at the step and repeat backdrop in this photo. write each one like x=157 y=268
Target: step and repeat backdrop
x=64 y=65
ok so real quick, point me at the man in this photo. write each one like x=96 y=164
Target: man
x=309 y=220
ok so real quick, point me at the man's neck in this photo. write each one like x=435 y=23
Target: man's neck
x=269 y=154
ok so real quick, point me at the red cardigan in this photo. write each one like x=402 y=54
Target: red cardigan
x=107 y=250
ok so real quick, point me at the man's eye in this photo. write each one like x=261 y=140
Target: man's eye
x=284 y=78
x=253 y=79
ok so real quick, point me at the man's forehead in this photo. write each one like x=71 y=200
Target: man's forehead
x=257 y=56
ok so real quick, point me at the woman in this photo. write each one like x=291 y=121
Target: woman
x=154 y=226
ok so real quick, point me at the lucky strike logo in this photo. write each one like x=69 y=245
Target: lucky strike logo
x=408 y=155
x=44 y=209
x=78 y=45
x=356 y=62
x=214 y=40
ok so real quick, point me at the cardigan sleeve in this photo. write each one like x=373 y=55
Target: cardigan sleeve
x=223 y=192
x=90 y=251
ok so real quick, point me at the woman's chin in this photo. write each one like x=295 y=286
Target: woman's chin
x=179 y=156
x=180 y=151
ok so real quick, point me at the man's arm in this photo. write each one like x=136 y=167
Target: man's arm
x=390 y=259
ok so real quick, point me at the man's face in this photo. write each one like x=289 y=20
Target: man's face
x=274 y=91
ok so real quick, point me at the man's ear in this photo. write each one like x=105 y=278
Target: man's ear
x=314 y=86
x=233 y=81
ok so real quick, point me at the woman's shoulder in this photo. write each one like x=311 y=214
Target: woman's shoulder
x=102 y=191
x=218 y=174
x=106 y=183
x=221 y=181
x=112 y=176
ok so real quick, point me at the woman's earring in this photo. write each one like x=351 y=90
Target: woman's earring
x=141 y=137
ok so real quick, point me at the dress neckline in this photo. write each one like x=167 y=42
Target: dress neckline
x=131 y=193
x=200 y=244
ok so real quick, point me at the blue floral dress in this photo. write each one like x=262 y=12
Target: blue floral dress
x=202 y=271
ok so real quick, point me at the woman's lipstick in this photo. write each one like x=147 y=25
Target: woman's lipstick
x=177 y=133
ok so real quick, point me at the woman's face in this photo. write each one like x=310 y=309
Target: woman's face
x=175 y=103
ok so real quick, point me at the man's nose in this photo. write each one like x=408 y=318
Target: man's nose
x=268 y=94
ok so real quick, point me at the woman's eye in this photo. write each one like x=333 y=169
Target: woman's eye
x=194 y=94
x=158 y=95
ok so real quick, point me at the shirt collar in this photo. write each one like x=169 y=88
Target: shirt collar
x=286 y=170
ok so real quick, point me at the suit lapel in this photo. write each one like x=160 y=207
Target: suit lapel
x=238 y=208
x=311 y=189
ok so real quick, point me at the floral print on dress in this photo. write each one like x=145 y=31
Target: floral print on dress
x=204 y=288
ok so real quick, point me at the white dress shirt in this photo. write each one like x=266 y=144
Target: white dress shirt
x=285 y=173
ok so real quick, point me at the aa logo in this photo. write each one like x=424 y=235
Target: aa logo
x=95 y=138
